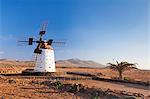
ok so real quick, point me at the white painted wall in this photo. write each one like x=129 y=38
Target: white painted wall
x=45 y=62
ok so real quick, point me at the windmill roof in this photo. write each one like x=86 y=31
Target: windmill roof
x=46 y=46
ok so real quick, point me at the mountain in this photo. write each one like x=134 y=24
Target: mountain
x=79 y=63
x=15 y=62
x=60 y=63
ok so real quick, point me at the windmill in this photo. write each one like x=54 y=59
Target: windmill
x=44 y=53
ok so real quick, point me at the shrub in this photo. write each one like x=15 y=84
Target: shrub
x=76 y=88
x=95 y=95
x=73 y=88
x=126 y=78
x=11 y=81
x=58 y=85
x=47 y=83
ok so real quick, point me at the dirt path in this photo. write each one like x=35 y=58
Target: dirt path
x=115 y=86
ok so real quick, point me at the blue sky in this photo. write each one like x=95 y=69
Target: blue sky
x=99 y=30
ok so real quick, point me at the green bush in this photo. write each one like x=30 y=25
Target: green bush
x=73 y=88
x=126 y=78
x=76 y=88
x=95 y=95
x=58 y=85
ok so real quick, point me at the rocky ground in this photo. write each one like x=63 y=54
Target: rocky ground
x=41 y=88
x=20 y=87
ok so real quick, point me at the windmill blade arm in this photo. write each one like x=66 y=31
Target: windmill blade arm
x=26 y=41
x=29 y=42
x=58 y=42
x=23 y=41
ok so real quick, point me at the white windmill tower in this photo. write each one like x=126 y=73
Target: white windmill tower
x=44 y=53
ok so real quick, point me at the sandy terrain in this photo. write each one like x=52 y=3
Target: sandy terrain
x=23 y=89
x=141 y=75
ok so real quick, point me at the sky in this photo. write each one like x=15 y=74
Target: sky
x=98 y=30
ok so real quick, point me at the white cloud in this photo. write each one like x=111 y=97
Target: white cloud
x=6 y=37
x=1 y=52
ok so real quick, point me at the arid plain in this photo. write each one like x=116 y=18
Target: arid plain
x=43 y=87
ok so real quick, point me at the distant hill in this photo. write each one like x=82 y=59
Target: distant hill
x=3 y=59
x=16 y=62
x=59 y=63
x=79 y=63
